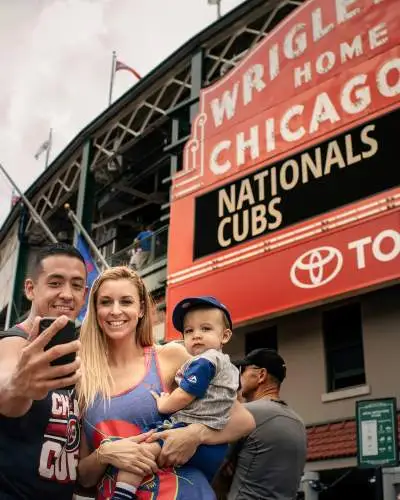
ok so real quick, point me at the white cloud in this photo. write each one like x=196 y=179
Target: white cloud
x=55 y=57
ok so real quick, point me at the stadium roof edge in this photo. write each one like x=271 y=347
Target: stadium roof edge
x=181 y=53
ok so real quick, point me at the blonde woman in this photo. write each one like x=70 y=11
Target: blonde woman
x=120 y=368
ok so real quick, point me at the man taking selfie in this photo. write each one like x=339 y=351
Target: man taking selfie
x=39 y=431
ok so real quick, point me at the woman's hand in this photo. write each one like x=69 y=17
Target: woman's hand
x=128 y=455
x=179 y=445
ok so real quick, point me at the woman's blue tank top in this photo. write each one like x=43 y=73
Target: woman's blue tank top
x=131 y=413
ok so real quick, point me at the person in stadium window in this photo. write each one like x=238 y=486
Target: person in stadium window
x=141 y=251
x=39 y=429
x=120 y=367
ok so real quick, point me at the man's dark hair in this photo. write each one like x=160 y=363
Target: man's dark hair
x=53 y=250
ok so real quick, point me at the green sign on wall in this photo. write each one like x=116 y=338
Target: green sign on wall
x=377 y=443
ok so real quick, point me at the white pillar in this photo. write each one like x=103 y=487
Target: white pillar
x=306 y=485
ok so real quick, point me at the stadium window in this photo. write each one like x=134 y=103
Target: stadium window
x=267 y=337
x=344 y=352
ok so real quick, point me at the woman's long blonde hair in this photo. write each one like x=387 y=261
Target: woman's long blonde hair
x=96 y=375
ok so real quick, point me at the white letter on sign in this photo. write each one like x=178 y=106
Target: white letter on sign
x=219 y=168
x=360 y=252
x=252 y=79
x=377 y=246
x=382 y=78
x=226 y=105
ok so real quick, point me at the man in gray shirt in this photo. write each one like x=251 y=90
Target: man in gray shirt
x=269 y=463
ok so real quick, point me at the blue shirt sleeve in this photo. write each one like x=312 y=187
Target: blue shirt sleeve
x=197 y=377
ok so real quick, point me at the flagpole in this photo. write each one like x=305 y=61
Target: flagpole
x=48 y=149
x=76 y=222
x=35 y=216
x=114 y=59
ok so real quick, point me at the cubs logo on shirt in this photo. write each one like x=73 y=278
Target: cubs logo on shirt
x=60 y=449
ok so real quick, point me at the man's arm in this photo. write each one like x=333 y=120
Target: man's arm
x=26 y=373
x=138 y=238
x=11 y=404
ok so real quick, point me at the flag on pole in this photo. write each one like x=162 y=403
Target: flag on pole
x=117 y=65
x=120 y=66
x=91 y=268
x=14 y=197
x=44 y=147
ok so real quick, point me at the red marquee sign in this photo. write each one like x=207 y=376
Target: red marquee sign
x=293 y=138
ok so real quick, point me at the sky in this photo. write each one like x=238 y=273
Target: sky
x=55 y=60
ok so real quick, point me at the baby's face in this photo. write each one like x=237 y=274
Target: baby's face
x=204 y=329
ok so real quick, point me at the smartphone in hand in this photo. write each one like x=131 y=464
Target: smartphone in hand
x=65 y=335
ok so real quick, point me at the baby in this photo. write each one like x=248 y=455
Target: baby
x=208 y=382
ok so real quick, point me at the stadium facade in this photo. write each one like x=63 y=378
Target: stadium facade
x=263 y=154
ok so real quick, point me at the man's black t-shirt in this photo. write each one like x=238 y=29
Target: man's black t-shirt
x=39 y=451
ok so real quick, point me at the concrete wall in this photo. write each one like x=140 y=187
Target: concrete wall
x=300 y=342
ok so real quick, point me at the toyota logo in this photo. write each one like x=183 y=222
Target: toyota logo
x=317 y=267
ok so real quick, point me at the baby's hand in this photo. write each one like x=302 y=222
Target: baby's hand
x=161 y=400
